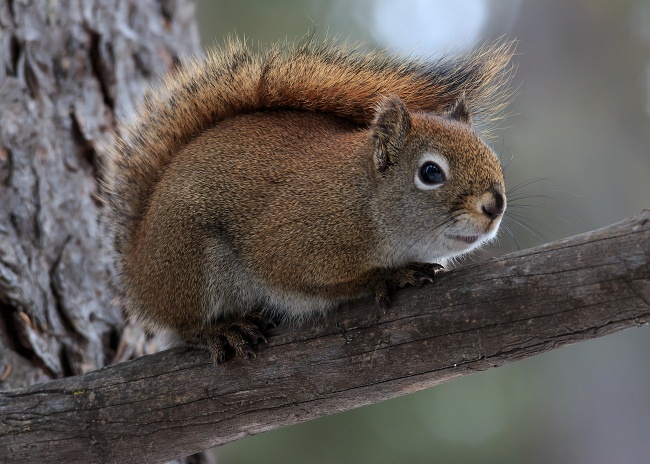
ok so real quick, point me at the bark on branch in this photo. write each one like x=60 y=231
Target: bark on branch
x=175 y=403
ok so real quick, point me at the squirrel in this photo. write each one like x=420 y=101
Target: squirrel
x=252 y=186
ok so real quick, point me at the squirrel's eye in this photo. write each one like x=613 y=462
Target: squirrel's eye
x=431 y=173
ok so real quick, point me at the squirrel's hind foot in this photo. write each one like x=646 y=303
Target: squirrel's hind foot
x=233 y=336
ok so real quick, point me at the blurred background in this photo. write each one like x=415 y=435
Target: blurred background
x=580 y=130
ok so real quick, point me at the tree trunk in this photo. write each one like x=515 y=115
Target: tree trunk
x=67 y=69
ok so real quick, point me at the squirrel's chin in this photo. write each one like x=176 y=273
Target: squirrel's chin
x=463 y=242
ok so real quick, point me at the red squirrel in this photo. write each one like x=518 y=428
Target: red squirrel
x=285 y=182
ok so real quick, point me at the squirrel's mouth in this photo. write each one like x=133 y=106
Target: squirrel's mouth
x=469 y=239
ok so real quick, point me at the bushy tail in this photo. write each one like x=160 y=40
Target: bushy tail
x=321 y=77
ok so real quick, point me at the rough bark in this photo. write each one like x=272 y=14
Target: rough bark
x=67 y=69
x=481 y=316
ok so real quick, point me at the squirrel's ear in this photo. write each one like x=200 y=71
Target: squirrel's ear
x=389 y=128
x=460 y=111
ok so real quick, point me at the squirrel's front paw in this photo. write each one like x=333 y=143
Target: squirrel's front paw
x=413 y=274
x=235 y=335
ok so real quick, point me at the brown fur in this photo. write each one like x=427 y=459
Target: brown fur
x=265 y=181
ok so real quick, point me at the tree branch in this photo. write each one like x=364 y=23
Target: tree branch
x=175 y=403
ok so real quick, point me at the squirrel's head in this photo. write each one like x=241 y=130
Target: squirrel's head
x=440 y=189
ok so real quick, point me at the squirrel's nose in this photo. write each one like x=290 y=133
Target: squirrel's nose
x=495 y=207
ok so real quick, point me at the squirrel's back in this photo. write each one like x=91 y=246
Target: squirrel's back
x=323 y=77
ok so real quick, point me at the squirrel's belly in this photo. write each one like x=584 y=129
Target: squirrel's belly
x=245 y=294
x=295 y=305
x=233 y=289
